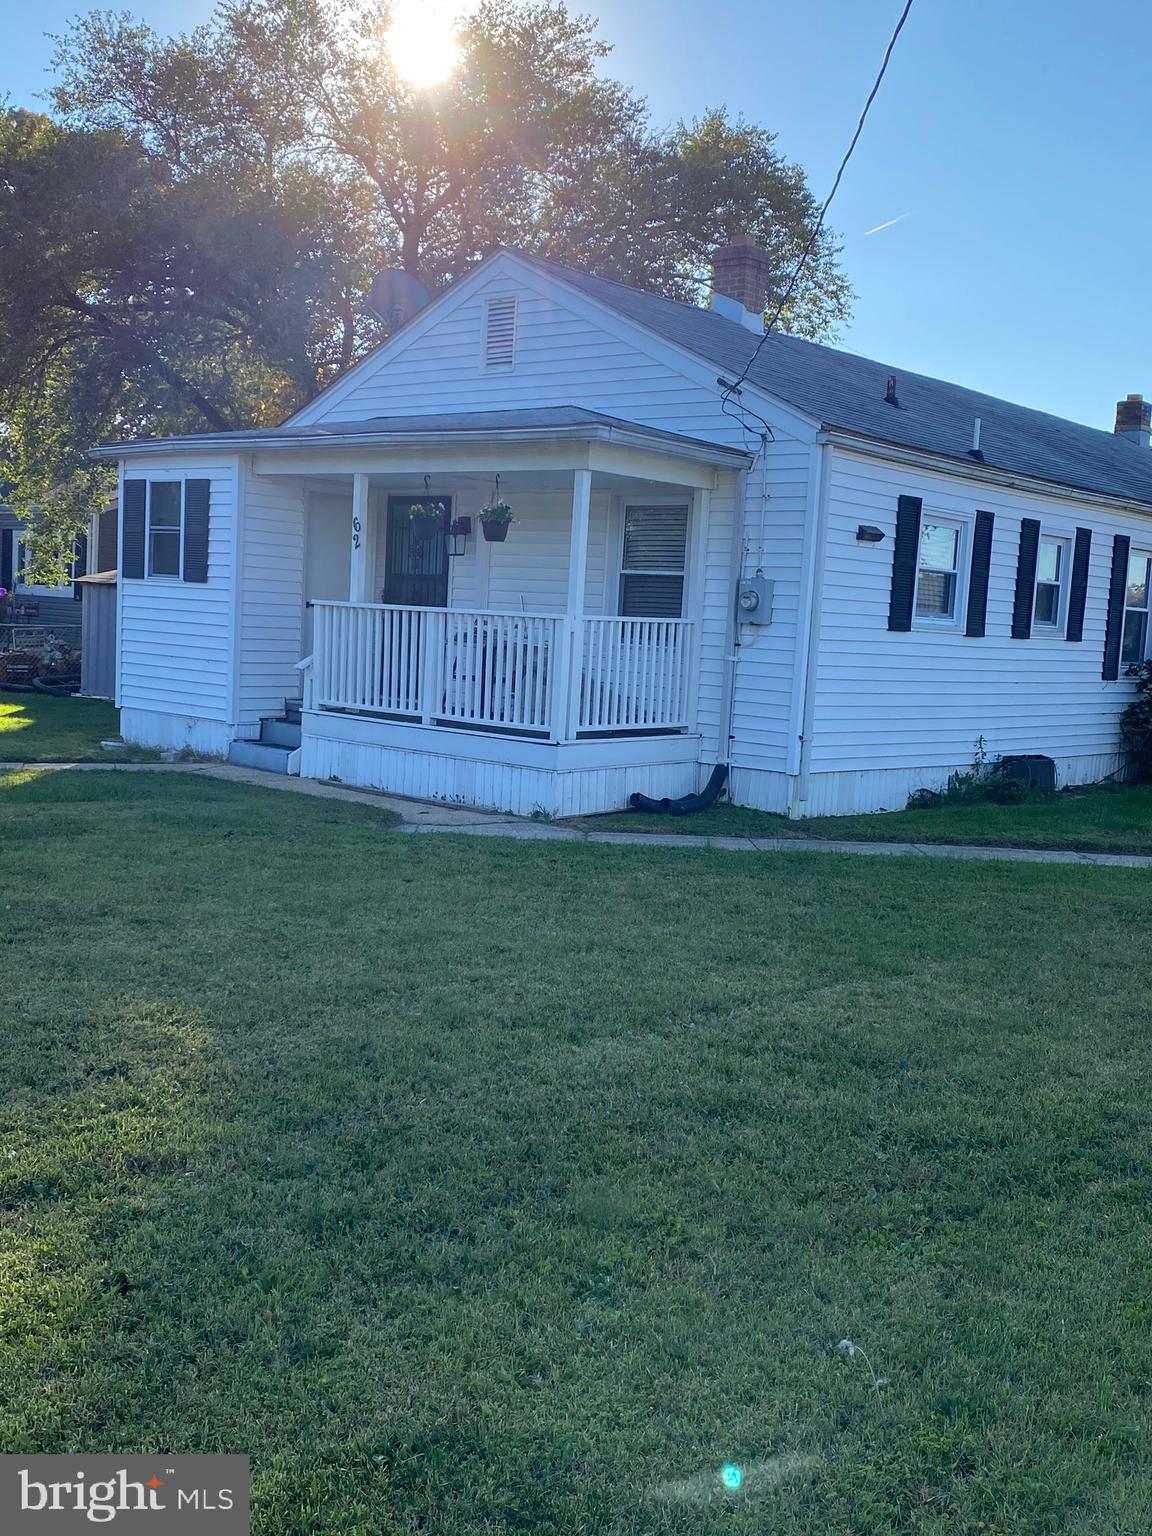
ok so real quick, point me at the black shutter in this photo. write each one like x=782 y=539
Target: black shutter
x=1114 y=634
x=1025 y=579
x=106 y=541
x=6 y=537
x=905 y=561
x=80 y=565
x=1078 y=591
x=132 y=535
x=978 y=580
x=196 y=497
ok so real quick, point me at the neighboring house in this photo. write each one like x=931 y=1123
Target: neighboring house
x=57 y=606
x=931 y=565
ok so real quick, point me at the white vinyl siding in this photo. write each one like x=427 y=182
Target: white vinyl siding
x=887 y=701
x=270 y=629
x=176 y=638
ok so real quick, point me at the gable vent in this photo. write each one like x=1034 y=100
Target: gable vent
x=500 y=332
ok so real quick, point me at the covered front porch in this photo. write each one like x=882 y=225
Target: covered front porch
x=440 y=663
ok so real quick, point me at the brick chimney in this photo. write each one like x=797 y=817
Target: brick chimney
x=1134 y=419
x=741 y=276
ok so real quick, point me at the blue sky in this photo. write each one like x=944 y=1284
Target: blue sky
x=1014 y=135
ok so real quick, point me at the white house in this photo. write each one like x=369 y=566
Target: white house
x=833 y=578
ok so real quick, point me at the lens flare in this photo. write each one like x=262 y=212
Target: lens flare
x=421 y=41
x=731 y=1476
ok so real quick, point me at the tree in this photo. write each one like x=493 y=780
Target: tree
x=133 y=300
x=252 y=174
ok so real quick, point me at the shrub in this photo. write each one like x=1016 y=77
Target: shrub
x=1136 y=721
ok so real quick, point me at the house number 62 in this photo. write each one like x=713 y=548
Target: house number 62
x=355 y=533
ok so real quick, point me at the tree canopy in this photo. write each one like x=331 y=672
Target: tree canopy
x=184 y=242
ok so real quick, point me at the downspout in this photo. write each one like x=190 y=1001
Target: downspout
x=811 y=650
x=688 y=805
x=732 y=629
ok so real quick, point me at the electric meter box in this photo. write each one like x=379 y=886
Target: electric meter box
x=754 y=600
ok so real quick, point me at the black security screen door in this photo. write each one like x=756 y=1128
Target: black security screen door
x=416 y=569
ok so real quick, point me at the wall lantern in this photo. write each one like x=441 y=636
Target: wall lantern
x=458 y=530
x=867 y=534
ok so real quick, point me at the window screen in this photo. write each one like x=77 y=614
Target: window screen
x=652 y=574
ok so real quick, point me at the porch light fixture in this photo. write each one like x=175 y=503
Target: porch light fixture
x=868 y=534
x=458 y=530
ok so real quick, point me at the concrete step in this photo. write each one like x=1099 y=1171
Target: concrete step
x=280 y=733
x=258 y=754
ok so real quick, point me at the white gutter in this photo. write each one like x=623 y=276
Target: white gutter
x=731 y=636
x=970 y=469
x=245 y=442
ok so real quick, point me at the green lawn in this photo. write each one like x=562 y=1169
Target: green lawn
x=475 y=1187
x=1099 y=819
x=35 y=728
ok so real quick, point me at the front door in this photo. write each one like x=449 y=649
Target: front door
x=415 y=569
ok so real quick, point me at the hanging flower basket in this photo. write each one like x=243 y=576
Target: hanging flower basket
x=495 y=520
x=426 y=519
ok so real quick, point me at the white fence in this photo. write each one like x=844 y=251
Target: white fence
x=531 y=673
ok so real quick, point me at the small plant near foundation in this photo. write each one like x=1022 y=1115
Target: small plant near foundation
x=984 y=780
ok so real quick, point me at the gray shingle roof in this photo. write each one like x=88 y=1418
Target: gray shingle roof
x=846 y=392
x=576 y=420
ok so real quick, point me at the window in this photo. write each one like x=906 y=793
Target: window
x=25 y=587
x=165 y=499
x=938 y=575
x=1051 y=568
x=1134 y=644
x=500 y=332
x=652 y=568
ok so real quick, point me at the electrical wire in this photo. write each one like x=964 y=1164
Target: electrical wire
x=818 y=227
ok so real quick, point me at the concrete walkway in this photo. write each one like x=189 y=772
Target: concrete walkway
x=426 y=816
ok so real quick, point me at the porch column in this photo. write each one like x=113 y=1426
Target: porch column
x=360 y=568
x=694 y=606
x=566 y=698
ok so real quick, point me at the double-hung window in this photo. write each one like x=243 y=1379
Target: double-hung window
x=1134 y=644
x=1051 y=582
x=165 y=518
x=938 y=573
x=652 y=568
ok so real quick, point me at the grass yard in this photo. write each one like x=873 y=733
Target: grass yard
x=35 y=728
x=476 y=1187
x=1093 y=819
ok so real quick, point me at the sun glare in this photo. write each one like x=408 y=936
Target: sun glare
x=422 y=42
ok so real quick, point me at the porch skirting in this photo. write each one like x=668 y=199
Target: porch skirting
x=499 y=773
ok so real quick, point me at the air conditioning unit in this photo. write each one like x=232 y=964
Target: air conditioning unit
x=1031 y=769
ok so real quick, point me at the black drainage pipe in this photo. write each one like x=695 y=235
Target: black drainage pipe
x=687 y=805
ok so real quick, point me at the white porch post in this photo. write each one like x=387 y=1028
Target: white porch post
x=360 y=567
x=694 y=608
x=566 y=695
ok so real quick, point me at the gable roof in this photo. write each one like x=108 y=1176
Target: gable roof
x=845 y=392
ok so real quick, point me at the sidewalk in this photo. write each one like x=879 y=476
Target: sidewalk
x=426 y=816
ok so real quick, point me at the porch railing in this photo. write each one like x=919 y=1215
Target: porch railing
x=530 y=673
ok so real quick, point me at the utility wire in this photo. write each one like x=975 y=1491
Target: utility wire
x=819 y=225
